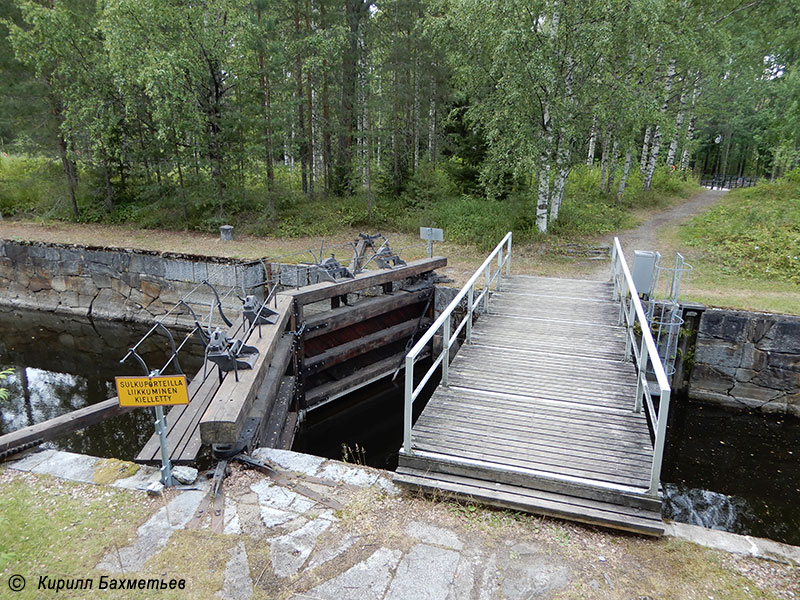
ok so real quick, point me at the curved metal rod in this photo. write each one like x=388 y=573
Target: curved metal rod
x=174 y=356
x=219 y=304
x=201 y=332
x=132 y=352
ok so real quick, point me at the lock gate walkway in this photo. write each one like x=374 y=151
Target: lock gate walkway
x=539 y=411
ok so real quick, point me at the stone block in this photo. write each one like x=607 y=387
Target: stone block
x=218 y=274
x=147 y=264
x=712 y=379
x=139 y=299
x=753 y=358
x=38 y=283
x=745 y=374
x=102 y=281
x=109 y=304
x=178 y=270
x=121 y=287
x=743 y=392
x=789 y=362
x=81 y=285
x=132 y=280
x=70 y=267
x=150 y=288
x=784 y=337
x=778 y=379
x=58 y=283
x=718 y=353
x=17 y=253
x=724 y=325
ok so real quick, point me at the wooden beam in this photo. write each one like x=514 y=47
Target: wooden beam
x=333 y=320
x=58 y=426
x=335 y=389
x=364 y=280
x=228 y=409
x=339 y=354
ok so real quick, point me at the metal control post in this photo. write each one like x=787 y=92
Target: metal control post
x=161 y=430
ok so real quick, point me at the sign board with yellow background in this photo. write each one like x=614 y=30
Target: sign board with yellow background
x=163 y=390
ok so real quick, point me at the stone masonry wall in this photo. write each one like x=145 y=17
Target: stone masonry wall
x=748 y=359
x=115 y=283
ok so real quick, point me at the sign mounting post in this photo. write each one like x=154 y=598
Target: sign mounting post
x=155 y=390
x=432 y=235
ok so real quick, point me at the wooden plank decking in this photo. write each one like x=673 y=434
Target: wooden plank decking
x=538 y=414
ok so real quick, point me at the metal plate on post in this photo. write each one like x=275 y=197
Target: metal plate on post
x=431 y=233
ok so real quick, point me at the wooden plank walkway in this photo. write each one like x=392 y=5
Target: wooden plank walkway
x=538 y=414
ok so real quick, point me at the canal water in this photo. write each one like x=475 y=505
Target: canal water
x=61 y=363
x=735 y=471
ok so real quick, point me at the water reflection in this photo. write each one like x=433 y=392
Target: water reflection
x=62 y=363
x=749 y=460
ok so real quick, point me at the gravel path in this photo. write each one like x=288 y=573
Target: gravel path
x=646 y=235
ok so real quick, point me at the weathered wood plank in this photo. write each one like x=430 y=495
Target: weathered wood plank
x=333 y=320
x=333 y=389
x=227 y=411
x=278 y=414
x=367 y=343
x=533 y=462
x=557 y=483
x=58 y=426
x=554 y=505
x=366 y=279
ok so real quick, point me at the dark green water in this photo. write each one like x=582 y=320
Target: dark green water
x=62 y=363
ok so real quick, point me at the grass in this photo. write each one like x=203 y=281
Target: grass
x=746 y=250
x=753 y=233
x=52 y=527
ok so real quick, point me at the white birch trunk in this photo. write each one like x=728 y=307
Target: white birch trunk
x=432 y=123
x=560 y=181
x=673 y=145
x=592 y=142
x=656 y=146
x=612 y=166
x=645 y=152
x=544 y=192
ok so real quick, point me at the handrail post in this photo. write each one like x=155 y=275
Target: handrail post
x=470 y=309
x=409 y=404
x=614 y=266
x=445 y=349
x=486 y=288
x=658 y=446
x=508 y=254
x=641 y=379
x=629 y=330
x=499 y=268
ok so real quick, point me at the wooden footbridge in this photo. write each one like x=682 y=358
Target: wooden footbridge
x=541 y=408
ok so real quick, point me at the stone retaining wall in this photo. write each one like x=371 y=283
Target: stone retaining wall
x=747 y=359
x=116 y=283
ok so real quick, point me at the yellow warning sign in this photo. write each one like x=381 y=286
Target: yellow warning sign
x=152 y=391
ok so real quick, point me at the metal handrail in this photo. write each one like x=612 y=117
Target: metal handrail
x=631 y=312
x=444 y=323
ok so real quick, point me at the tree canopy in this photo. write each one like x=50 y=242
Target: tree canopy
x=203 y=101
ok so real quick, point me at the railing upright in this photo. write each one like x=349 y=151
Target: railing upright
x=450 y=333
x=446 y=350
x=625 y=290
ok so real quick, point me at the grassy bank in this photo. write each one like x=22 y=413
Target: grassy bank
x=746 y=250
x=32 y=188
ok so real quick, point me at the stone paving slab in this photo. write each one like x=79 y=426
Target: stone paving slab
x=312 y=551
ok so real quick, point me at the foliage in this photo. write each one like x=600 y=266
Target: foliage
x=753 y=232
x=3 y=376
